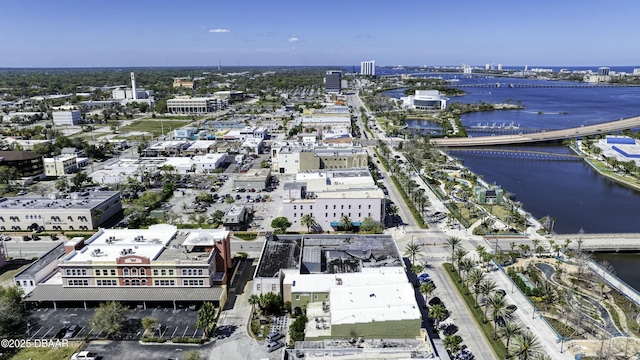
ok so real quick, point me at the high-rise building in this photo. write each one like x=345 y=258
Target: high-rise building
x=499 y=67
x=486 y=66
x=333 y=81
x=603 y=71
x=368 y=68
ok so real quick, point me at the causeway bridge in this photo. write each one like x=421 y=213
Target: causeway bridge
x=523 y=154
x=629 y=242
x=542 y=136
x=540 y=85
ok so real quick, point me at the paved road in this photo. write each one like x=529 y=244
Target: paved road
x=468 y=329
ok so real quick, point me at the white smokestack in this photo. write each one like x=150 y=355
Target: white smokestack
x=133 y=86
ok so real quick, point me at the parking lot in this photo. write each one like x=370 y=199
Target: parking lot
x=49 y=323
x=263 y=210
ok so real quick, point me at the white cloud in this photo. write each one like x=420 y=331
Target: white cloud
x=219 y=30
x=294 y=39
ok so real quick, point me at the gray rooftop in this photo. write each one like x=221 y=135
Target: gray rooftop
x=235 y=210
x=81 y=200
x=50 y=292
x=278 y=254
x=335 y=253
x=294 y=185
x=46 y=259
x=176 y=251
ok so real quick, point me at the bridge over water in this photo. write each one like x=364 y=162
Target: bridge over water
x=541 y=85
x=629 y=242
x=524 y=154
x=549 y=135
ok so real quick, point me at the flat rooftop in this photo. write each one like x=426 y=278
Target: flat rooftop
x=201 y=145
x=324 y=282
x=167 y=145
x=339 y=254
x=46 y=259
x=109 y=244
x=254 y=174
x=234 y=210
x=278 y=254
x=373 y=303
x=81 y=200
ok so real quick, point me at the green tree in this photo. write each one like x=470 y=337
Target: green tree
x=486 y=288
x=7 y=174
x=525 y=345
x=109 y=318
x=346 y=223
x=427 y=290
x=280 y=224
x=412 y=250
x=458 y=255
x=309 y=221
x=149 y=323
x=370 y=226
x=497 y=308
x=79 y=179
x=161 y=107
x=296 y=330
x=192 y=355
x=207 y=318
x=270 y=303
x=465 y=265
x=438 y=313
x=452 y=244
x=474 y=278
x=509 y=330
x=12 y=310
x=217 y=216
x=452 y=343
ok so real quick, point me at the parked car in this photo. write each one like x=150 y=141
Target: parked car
x=501 y=292
x=512 y=308
x=274 y=336
x=274 y=345
x=71 y=331
x=84 y=355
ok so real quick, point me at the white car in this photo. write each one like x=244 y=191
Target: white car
x=85 y=355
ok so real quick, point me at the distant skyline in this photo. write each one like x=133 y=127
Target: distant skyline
x=72 y=33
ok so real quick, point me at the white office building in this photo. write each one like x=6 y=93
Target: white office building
x=72 y=117
x=330 y=195
x=425 y=99
x=368 y=68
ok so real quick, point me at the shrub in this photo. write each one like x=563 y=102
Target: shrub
x=153 y=340
x=182 y=340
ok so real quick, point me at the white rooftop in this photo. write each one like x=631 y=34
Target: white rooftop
x=201 y=144
x=109 y=244
x=208 y=158
x=325 y=282
x=205 y=238
x=370 y=303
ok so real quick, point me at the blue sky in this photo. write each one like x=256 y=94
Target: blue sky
x=71 y=33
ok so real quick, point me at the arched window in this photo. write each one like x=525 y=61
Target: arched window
x=134 y=272
x=125 y=271
x=126 y=283
x=142 y=272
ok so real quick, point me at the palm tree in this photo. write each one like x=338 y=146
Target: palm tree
x=438 y=313
x=525 y=345
x=535 y=243
x=309 y=221
x=452 y=343
x=392 y=210
x=459 y=254
x=474 y=278
x=486 y=288
x=345 y=222
x=426 y=290
x=498 y=308
x=253 y=300
x=452 y=243
x=411 y=250
x=465 y=265
x=509 y=330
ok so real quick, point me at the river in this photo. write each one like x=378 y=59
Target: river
x=570 y=191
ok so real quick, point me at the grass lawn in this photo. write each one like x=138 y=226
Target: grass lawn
x=10 y=270
x=49 y=353
x=154 y=126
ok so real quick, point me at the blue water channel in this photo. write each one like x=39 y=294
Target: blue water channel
x=570 y=191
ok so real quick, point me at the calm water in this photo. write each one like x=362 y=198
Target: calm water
x=569 y=191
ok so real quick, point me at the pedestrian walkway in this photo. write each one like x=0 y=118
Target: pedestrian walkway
x=529 y=320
